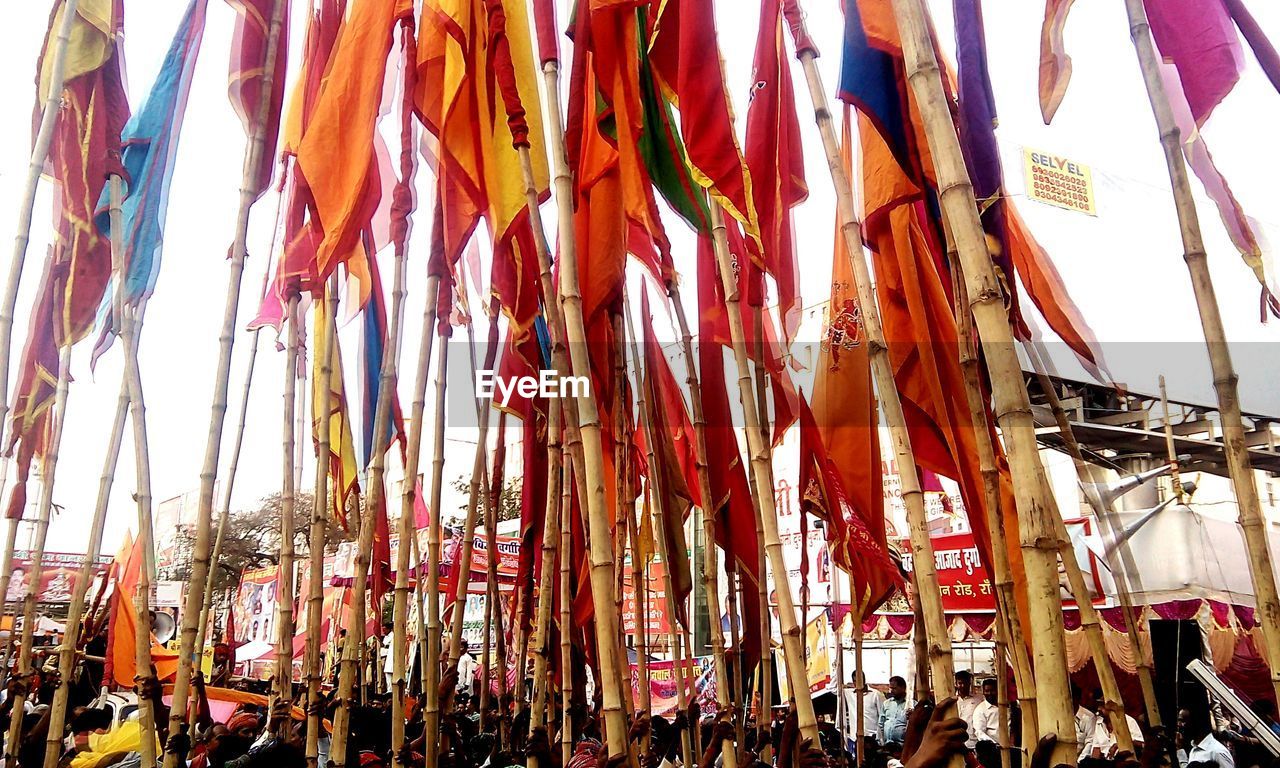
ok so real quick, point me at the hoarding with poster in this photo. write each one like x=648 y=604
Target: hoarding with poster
x=965 y=584
x=255 y=607
x=654 y=609
x=57 y=579
x=663 y=691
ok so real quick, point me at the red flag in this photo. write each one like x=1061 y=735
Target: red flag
x=668 y=425
x=335 y=155
x=249 y=43
x=686 y=58
x=855 y=547
x=33 y=399
x=84 y=152
x=774 y=155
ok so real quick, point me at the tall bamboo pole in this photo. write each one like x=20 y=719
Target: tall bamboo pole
x=860 y=691
x=288 y=498
x=39 y=152
x=600 y=546
x=639 y=592
x=218 y=410
x=49 y=469
x=323 y=405
x=374 y=503
x=224 y=504
x=550 y=540
x=76 y=612
x=431 y=709
x=1106 y=515
x=658 y=516
x=479 y=471
x=934 y=624
x=1224 y=375
x=566 y=607
x=1012 y=407
x=710 y=559
x=408 y=537
x=1175 y=476
x=756 y=446
x=1008 y=627
x=142 y=596
x=6 y=570
x=142 y=466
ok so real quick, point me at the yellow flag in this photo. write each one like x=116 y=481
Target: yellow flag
x=343 y=468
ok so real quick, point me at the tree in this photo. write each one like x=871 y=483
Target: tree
x=252 y=540
x=508 y=501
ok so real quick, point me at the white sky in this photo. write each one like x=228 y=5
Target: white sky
x=1123 y=267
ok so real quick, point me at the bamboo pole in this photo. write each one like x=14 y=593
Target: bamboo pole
x=658 y=517
x=35 y=166
x=374 y=501
x=1224 y=375
x=49 y=468
x=842 y=709
x=860 y=691
x=288 y=497
x=6 y=570
x=550 y=538
x=200 y=560
x=494 y=495
x=431 y=709
x=939 y=650
x=224 y=505
x=76 y=612
x=791 y=642
x=639 y=591
x=600 y=547
x=762 y=588
x=142 y=464
x=1009 y=639
x=1012 y=407
x=622 y=483
x=1106 y=515
x=408 y=493
x=710 y=559
x=479 y=472
x=566 y=607
x=323 y=405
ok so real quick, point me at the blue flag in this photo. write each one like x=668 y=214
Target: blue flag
x=150 y=142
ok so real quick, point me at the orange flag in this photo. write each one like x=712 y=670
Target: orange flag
x=336 y=153
x=123 y=632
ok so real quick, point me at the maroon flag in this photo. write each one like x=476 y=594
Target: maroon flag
x=249 y=44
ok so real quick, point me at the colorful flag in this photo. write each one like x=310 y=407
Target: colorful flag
x=249 y=44
x=685 y=55
x=846 y=423
x=1055 y=64
x=372 y=348
x=668 y=425
x=84 y=152
x=29 y=420
x=774 y=155
x=122 y=628
x=462 y=100
x=343 y=470
x=335 y=155
x=150 y=142
x=1202 y=61
x=1013 y=249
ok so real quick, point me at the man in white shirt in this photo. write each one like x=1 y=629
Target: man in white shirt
x=967 y=700
x=467 y=666
x=1102 y=744
x=984 y=728
x=1086 y=719
x=872 y=702
x=1199 y=747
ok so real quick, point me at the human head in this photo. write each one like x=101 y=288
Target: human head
x=964 y=683
x=1193 y=720
x=897 y=688
x=244 y=725
x=989 y=690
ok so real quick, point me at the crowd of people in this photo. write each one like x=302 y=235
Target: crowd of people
x=896 y=731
